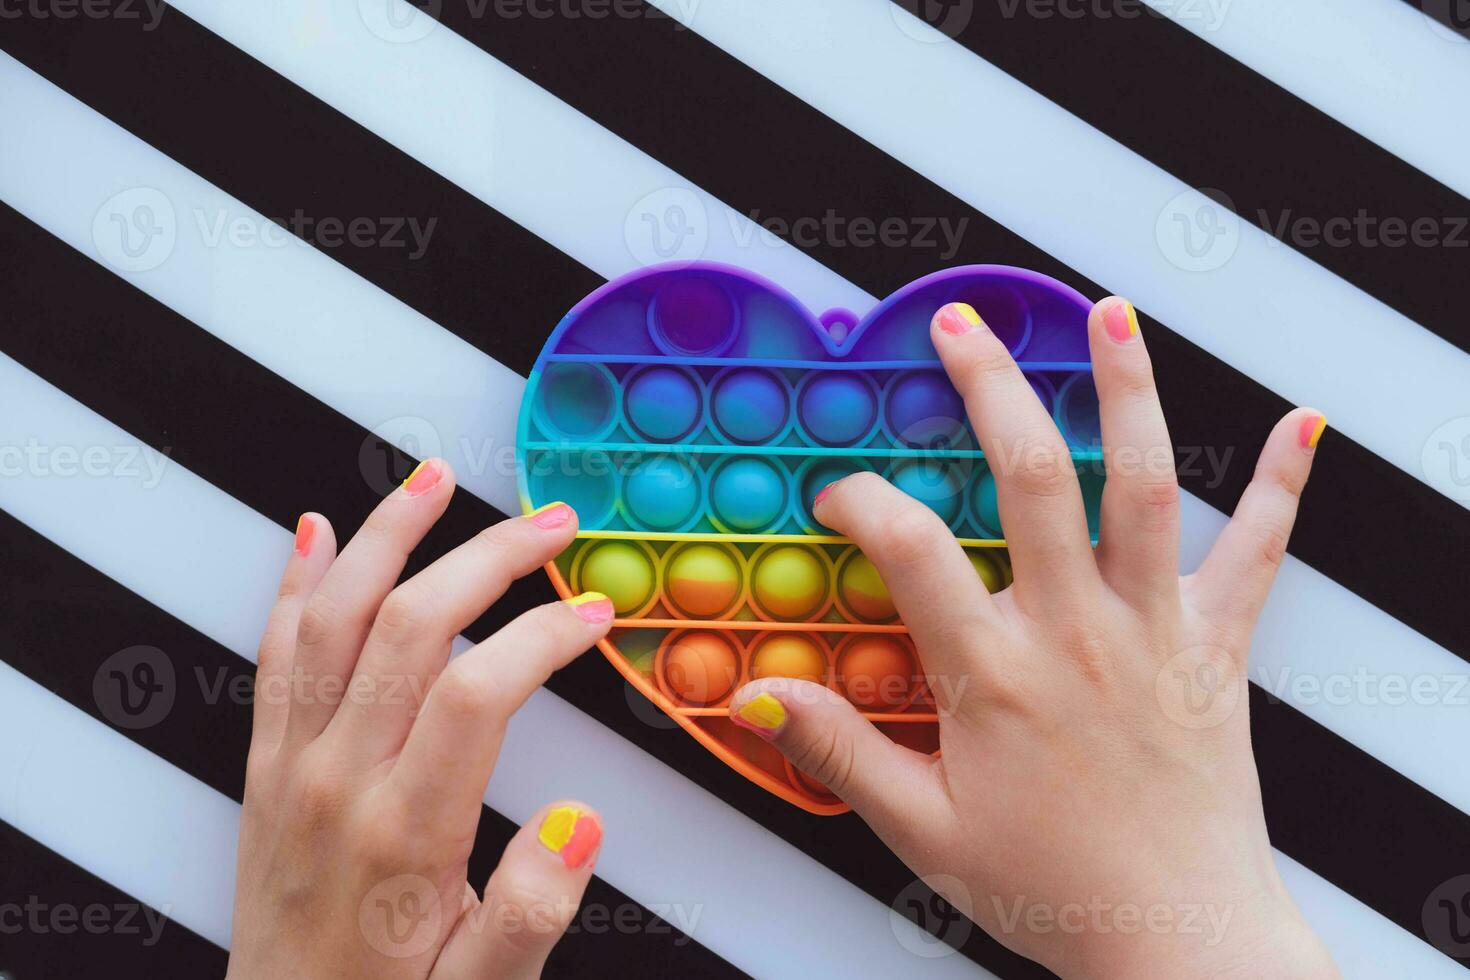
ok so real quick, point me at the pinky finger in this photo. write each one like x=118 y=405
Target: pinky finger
x=1236 y=576
x=312 y=553
x=530 y=900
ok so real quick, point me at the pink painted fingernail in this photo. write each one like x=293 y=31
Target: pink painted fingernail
x=305 y=534
x=1121 y=321
x=1311 y=431
x=551 y=515
x=958 y=318
x=593 y=607
x=424 y=478
x=822 y=493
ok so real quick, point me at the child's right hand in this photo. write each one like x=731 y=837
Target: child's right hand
x=1086 y=810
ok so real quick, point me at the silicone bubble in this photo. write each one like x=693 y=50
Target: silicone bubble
x=750 y=405
x=748 y=493
x=925 y=411
x=704 y=581
x=789 y=582
x=622 y=571
x=985 y=503
x=577 y=401
x=989 y=567
x=664 y=404
x=692 y=412
x=693 y=316
x=1077 y=412
x=935 y=483
x=861 y=591
x=837 y=408
x=662 y=493
x=813 y=476
x=699 y=667
x=876 y=671
x=788 y=655
x=1045 y=391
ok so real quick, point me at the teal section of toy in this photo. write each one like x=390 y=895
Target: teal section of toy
x=702 y=400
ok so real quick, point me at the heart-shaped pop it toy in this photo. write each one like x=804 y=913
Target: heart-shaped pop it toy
x=691 y=413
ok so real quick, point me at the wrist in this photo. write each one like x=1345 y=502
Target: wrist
x=1219 y=942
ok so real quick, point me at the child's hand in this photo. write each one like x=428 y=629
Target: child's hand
x=1096 y=805
x=369 y=756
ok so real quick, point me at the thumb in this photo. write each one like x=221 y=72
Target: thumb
x=828 y=739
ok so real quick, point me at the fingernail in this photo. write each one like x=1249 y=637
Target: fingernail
x=1121 y=321
x=958 y=318
x=593 y=607
x=424 y=478
x=572 y=834
x=551 y=515
x=762 y=714
x=823 y=493
x=305 y=534
x=1311 y=431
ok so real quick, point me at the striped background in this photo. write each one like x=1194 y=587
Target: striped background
x=1180 y=153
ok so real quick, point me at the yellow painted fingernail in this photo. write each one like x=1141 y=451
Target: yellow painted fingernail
x=593 y=607
x=571 y=833
x=424 y=478
x=1311 y=430
x=762 y=713
x=958 y=318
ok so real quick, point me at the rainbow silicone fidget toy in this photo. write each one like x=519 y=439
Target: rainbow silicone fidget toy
x=691 y=412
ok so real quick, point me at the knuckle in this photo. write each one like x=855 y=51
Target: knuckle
x=529 y=915
x=320 y=620
x=1044 y=469
x=1271 y=543
x=406 y=612
x=908 y=535
x=828 y=759
x=461 y=695
x=1158 y=500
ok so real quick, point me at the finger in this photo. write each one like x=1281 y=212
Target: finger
x=409 y=641
x=312 y=551
x=933 y=585
x=1236 y=576
x=452 y=747
x=530 y=899
x=1138 y=544
x=891 y=787
x=1037 y=494
x=335 y=622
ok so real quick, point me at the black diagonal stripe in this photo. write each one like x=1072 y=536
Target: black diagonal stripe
x=1453 y=14
x=188 y=393
x=83 y=636
x=46 y=903
x=756 y=147
x=1286 y=166
x=766 y=153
